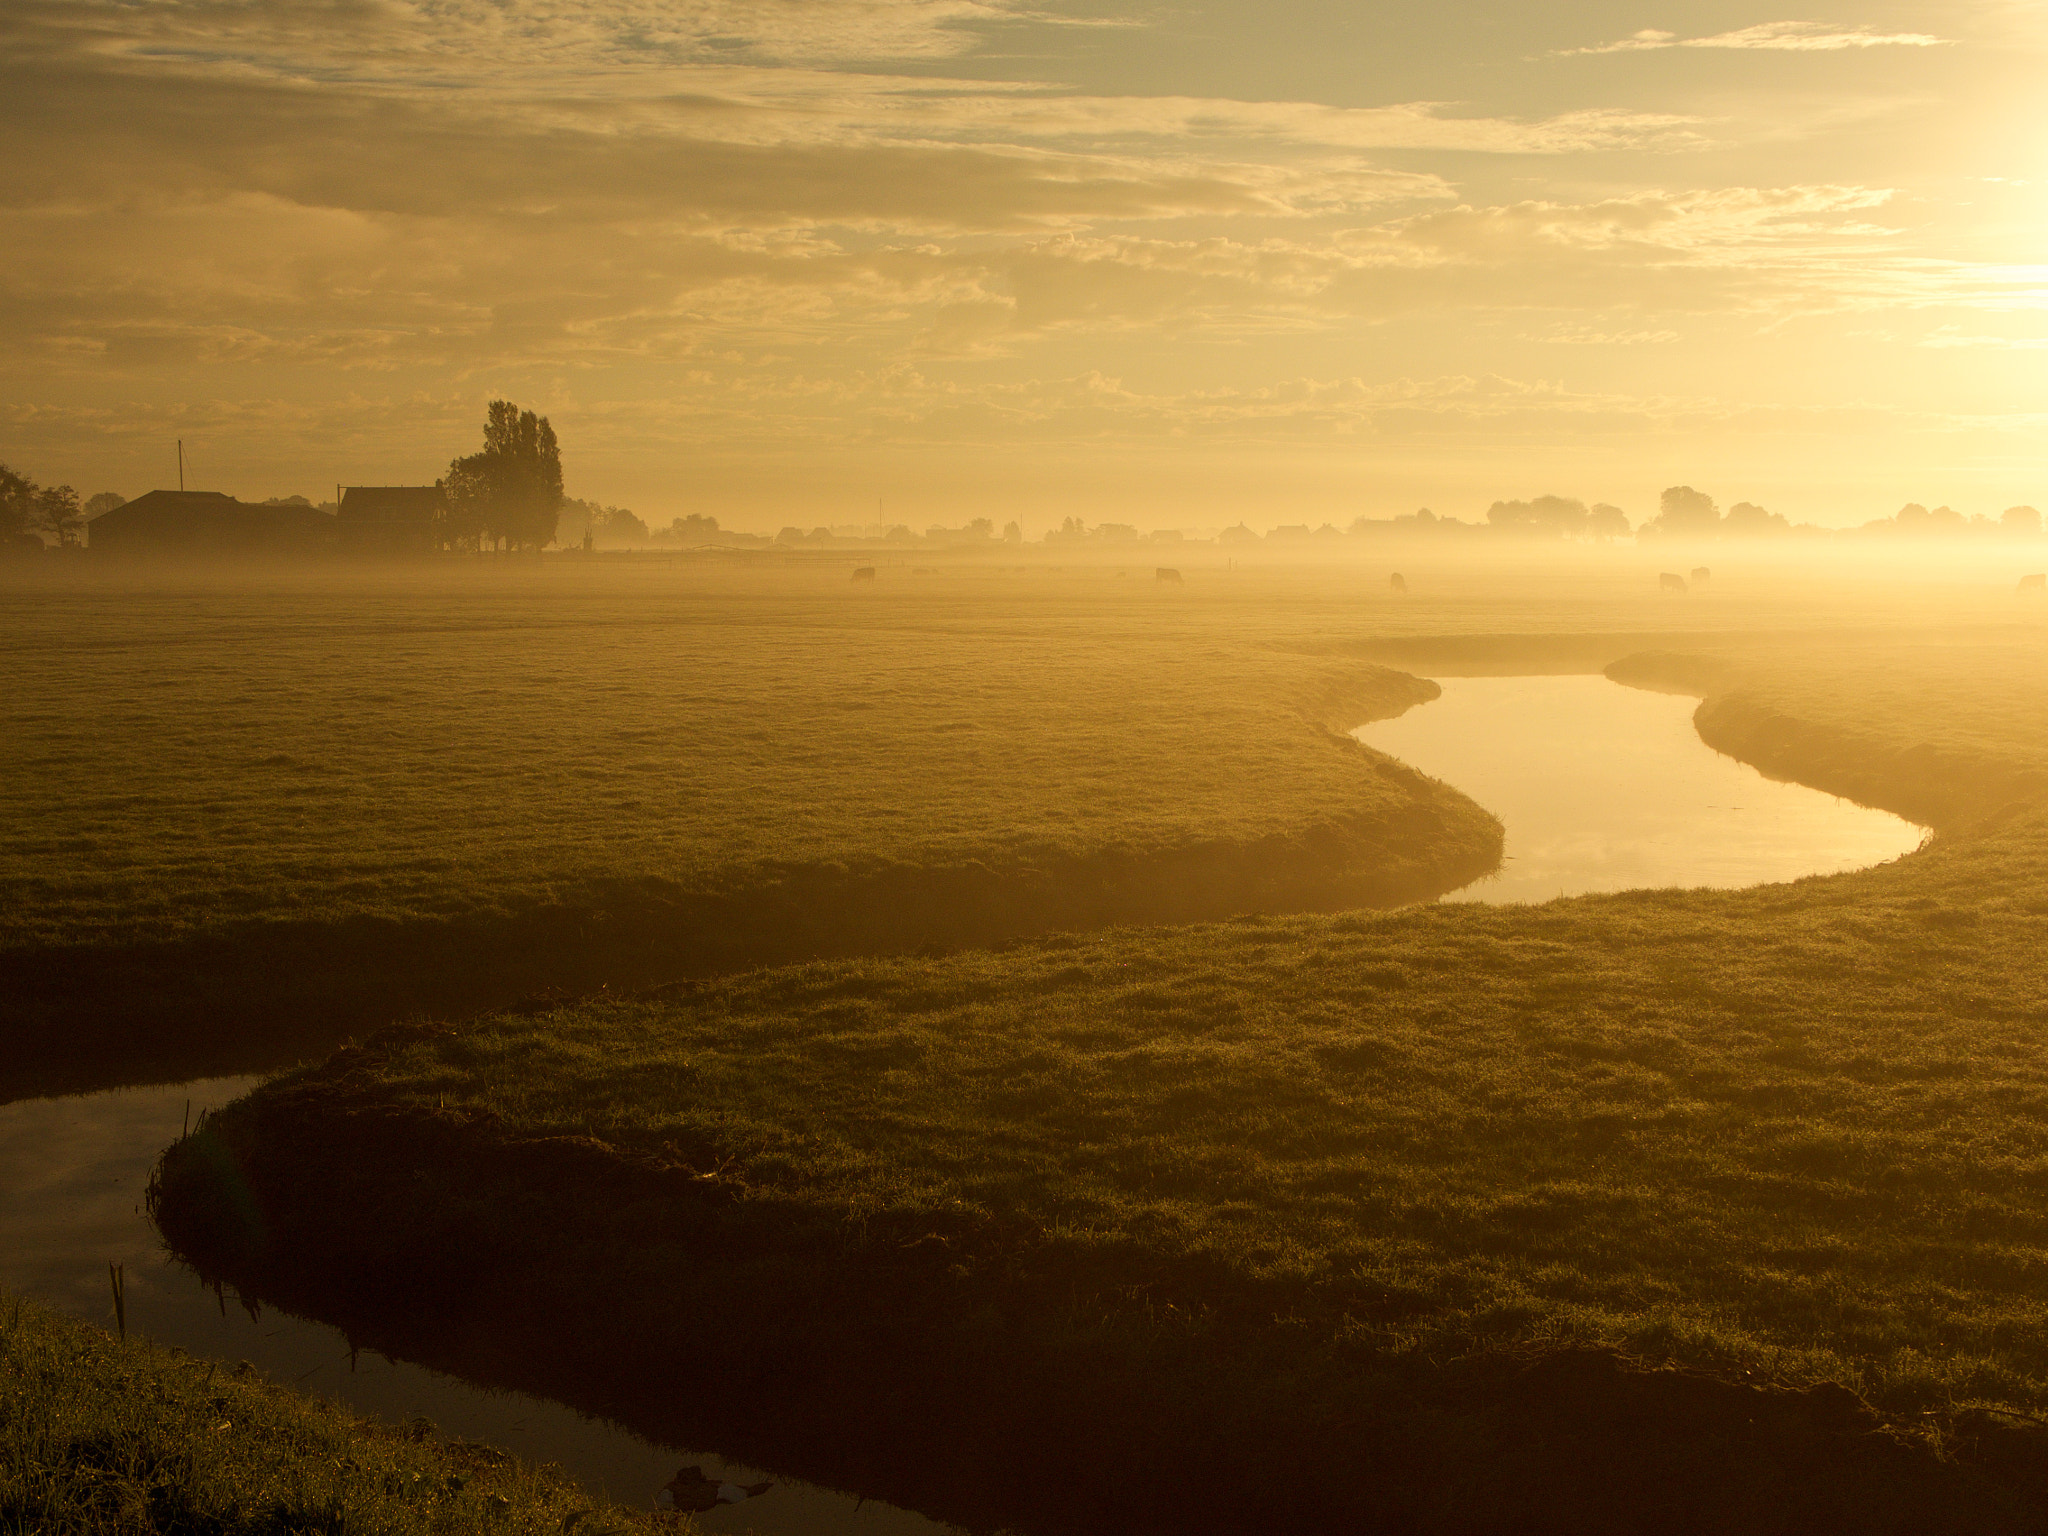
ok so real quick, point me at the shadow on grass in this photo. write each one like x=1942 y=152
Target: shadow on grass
x=1000 y=1377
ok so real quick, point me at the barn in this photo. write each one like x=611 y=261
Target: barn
x=392 y=519
x=208 y=525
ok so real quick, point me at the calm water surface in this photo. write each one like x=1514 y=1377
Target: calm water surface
x=1606 y=788
x=72 y=1173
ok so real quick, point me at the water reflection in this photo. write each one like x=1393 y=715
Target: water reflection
x=1607 y=788
x=72 y=1173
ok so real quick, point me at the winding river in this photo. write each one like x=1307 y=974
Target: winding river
x=1607 y=788
x=1600 y=787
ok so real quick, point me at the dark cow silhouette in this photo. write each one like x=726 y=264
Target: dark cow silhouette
x=864 y=573
x=1398 y=582
x=2038 y=583
x=1168 y=575
x=1701 y=573
x=1670 y=581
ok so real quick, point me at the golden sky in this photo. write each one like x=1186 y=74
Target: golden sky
x=1175 y=265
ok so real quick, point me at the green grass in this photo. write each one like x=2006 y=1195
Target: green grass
x=1291 y=1184
x=100 y=1436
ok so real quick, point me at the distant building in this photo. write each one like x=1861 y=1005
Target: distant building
x=208 y=525
x=392 y=519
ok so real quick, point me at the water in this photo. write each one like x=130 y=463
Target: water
x=72 y=1174
x=1606 y=788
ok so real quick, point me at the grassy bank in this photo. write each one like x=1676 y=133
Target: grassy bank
x=277 y=814
x=101 y=1436
x=1372 y=1207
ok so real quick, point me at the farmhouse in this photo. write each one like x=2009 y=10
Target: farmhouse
x=207 y=524
x=391 y=519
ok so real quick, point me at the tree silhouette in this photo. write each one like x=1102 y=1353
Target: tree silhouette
x=1683 y=510
x=56 y=511
x=17 y=502
x=511 y=492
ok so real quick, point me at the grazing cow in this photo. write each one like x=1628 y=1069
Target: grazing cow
x=1700 y=573
x=1166 y=575
x=1398 y=582
x=1670 y=581
x=864 y=573
x=2034 y=583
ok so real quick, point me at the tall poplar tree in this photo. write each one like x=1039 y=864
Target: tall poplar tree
x=511 y=493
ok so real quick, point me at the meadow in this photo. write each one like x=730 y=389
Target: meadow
x=258 y=814
x=1718 y=1209
x=99 y=1435
x=262 y=811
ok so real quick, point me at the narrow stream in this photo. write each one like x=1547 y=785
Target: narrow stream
x=72 y=1173
x=1607 y=788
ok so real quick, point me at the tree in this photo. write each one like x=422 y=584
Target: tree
x=1546 y=516
x=1685 y=512
x=56 y=511
x=104 y=501
x=17 y=502
x=1606 y=522
x=511 y=492
x=1747 y=520
x=2024 y=521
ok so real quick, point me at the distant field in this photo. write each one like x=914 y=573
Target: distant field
x=1354 y=1186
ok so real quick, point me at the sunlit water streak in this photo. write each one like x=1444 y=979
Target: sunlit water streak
x=72 y=1174
x=1607 y=788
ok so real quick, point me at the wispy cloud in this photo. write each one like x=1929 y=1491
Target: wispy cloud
x=1583 y=338
x=1773 y=36
x=1949 y=336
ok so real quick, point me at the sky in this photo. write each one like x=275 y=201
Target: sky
x=789 y=261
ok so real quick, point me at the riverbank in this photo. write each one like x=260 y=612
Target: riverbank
x=1706 y=1208
x=98 y=1434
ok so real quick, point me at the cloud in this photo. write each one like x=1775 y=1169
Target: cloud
x=247 y=278
x=334 y=40
x=1772 y=36
x=1595 y=338
x=1950 y=336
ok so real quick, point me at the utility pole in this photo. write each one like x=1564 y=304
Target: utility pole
x=181 y=464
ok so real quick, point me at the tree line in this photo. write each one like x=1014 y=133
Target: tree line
x=27 y=509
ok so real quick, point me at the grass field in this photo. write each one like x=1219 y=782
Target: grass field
x=99 y=1436
x=257 y=813
x=1362 y=1205
x=256 y=817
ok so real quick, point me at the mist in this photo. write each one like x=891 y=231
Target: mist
x=937 y=768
